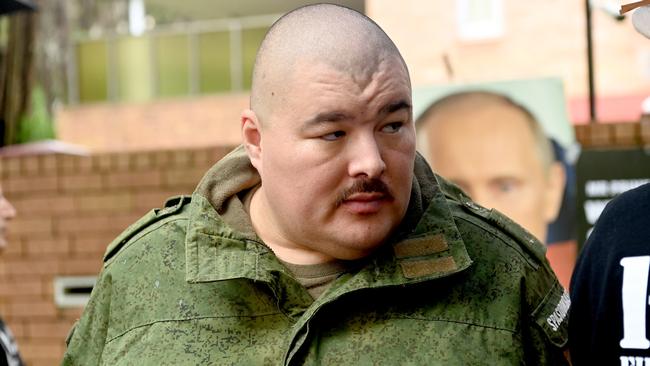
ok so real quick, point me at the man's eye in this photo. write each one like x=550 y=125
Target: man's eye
x=506 y=186
x=333 y=136
x=392 y=127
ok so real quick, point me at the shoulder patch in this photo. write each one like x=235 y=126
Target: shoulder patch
x=552 y=315
x=172 y=206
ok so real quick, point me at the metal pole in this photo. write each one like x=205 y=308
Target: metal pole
x=590 y=65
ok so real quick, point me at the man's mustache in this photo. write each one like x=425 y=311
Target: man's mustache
x=365 y=186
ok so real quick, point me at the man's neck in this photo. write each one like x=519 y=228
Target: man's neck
x=266 y=228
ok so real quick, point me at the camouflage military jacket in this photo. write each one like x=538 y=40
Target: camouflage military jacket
x=457 y=285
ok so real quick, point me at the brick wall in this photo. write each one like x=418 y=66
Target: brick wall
x=606 y=135
x=68 y=209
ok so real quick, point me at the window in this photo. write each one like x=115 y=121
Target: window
x=73 y=291
x=479 y=19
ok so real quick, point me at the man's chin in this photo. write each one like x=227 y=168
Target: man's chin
x=357 y=249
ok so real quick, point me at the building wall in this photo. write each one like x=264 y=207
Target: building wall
x=68 y=209
x=169 y=123
x=541 y=38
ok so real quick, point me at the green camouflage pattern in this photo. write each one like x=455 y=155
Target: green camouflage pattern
x=457 y=285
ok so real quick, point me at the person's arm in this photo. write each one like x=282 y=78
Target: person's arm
x=8 y=348
x=546 y=333
x=88 y=336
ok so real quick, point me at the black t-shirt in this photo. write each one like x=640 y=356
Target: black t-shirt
x=8 y=350
x=610 y=317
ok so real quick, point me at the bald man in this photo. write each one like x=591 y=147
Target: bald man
x=324 y=239
x=496 y=151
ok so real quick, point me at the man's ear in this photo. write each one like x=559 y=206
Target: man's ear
x=251 y=132
x=554 y=190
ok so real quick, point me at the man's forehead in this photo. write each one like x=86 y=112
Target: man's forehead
x=384 y=89
x=375 y=68
x=482 y=125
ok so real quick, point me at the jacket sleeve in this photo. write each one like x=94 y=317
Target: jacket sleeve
x=546 y=331
x=88 y=336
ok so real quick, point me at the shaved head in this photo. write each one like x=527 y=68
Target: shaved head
x=338 y=36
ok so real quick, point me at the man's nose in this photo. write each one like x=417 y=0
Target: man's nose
x=366 y=159
x=7 y=210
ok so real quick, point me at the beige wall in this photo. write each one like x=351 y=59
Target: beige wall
x=541 y=38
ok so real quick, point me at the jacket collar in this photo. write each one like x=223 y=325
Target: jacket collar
x=426 y=246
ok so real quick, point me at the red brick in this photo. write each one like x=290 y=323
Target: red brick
x=163 y=158
x=205 y=157
x=91 y=245
x=81 y=266
x=142 y=161
x=183 y=177
x=22 y=225
x=85 y=164
x=43 y=204
x=626 y=134
x=121 y=222
x=70 y=183
x=45 y=361
x=48 y=329
x=12 y=166
x=31 y=184
x=56 y=246
x=86 y=223
x=34 y=308
x=147 y=200
x=96 y=224
x=137 y=180
x=15 y=248
x=32 y=266
x=644 y=132
x=103 y=162
x=49 y=163
x=32 y=286
x=48 y=286
x=18 y=328
x=109 y=202
x=42 y=350
x=182 y=158
x=122 y=162
x=68 y=163
x=71 y=314
x=30 y=165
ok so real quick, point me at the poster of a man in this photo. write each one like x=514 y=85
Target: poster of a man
x=499 y=154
